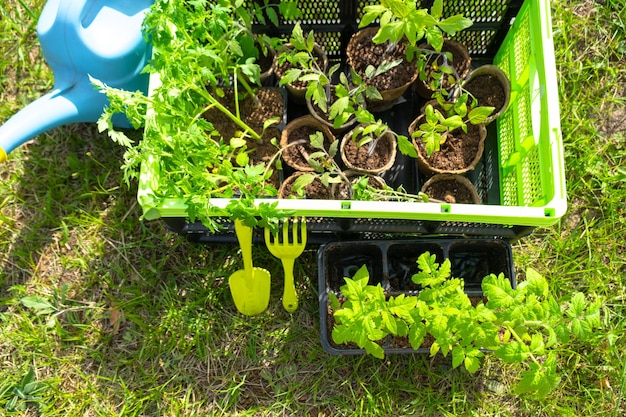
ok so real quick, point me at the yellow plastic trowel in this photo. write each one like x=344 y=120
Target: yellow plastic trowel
x=250 y=286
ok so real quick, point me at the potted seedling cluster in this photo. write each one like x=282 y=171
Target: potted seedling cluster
x=439 y=314
x=209 y=129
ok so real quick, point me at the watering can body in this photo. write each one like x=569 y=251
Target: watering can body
x=82 y=38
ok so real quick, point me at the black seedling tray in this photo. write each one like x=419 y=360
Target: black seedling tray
x=392 y=264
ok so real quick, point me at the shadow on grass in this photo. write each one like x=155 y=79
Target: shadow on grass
x=156 y=331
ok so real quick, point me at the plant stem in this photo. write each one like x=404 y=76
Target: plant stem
x=230 y=115
x=519 y=340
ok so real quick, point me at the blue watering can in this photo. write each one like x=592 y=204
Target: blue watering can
x=82 y=38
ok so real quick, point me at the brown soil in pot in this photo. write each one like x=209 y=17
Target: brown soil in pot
x=357 y=157
x=491 y=87
x=451 y=189
x=298 y=155
x=315 y=190
x=268 y=103
x=459 y=153
x=487 y=90
x=363 y=52
x=300 y=130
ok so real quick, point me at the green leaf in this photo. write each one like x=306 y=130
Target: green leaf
x=437 y=10
x=539 y=379
x=417 y=332
x=39 y=304
x=242 y=159
x=577 y=305
x=302 y=181
x=472 y=361
x=272 y=16
x=478 y=115
x=498 y=291
x=454 y=24
x=406 y=147
x=513 y=351
x=535 y=283
x=333 y=148
x=458 y=356
x=317 y=140
x=434 y=37
x=271 y=121
x=375 y=350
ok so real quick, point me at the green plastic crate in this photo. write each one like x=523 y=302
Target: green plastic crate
x=522 y=177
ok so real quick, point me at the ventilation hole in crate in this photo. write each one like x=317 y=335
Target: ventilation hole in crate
x=319 y=12
x=476 y=41
x=521 y=45
x=503 y=61
x=505 y=135
x=509 y=189
x=531 y=178
x=480 y=11
x=330 y=42
x=523 y=116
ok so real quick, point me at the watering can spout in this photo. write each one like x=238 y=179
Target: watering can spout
x=54 y=109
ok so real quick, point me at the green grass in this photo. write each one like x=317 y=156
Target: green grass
x=134 y=320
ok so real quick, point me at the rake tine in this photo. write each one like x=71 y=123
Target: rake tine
x=286 y=232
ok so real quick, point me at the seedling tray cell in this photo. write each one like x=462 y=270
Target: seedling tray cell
x=520 y=178
x=392 y=263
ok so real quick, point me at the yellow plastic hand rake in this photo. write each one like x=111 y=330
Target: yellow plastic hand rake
x=287 y=248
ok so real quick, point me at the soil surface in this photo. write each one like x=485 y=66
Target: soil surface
x=315 y=190
x=364 y=52
x=268 y=103
x=359 y=158
x=449 y=191
x=457 y=152
x=487 y=90
x=299 y=154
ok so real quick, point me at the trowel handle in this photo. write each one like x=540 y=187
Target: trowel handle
x=244 y=236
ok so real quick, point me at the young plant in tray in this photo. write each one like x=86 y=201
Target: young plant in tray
x=200 y=50
x=525 y=325
x=325 y=169
x=401 y=19
x=329 y=173
x=349 y=93
x=371 y=146
x=440 y=122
